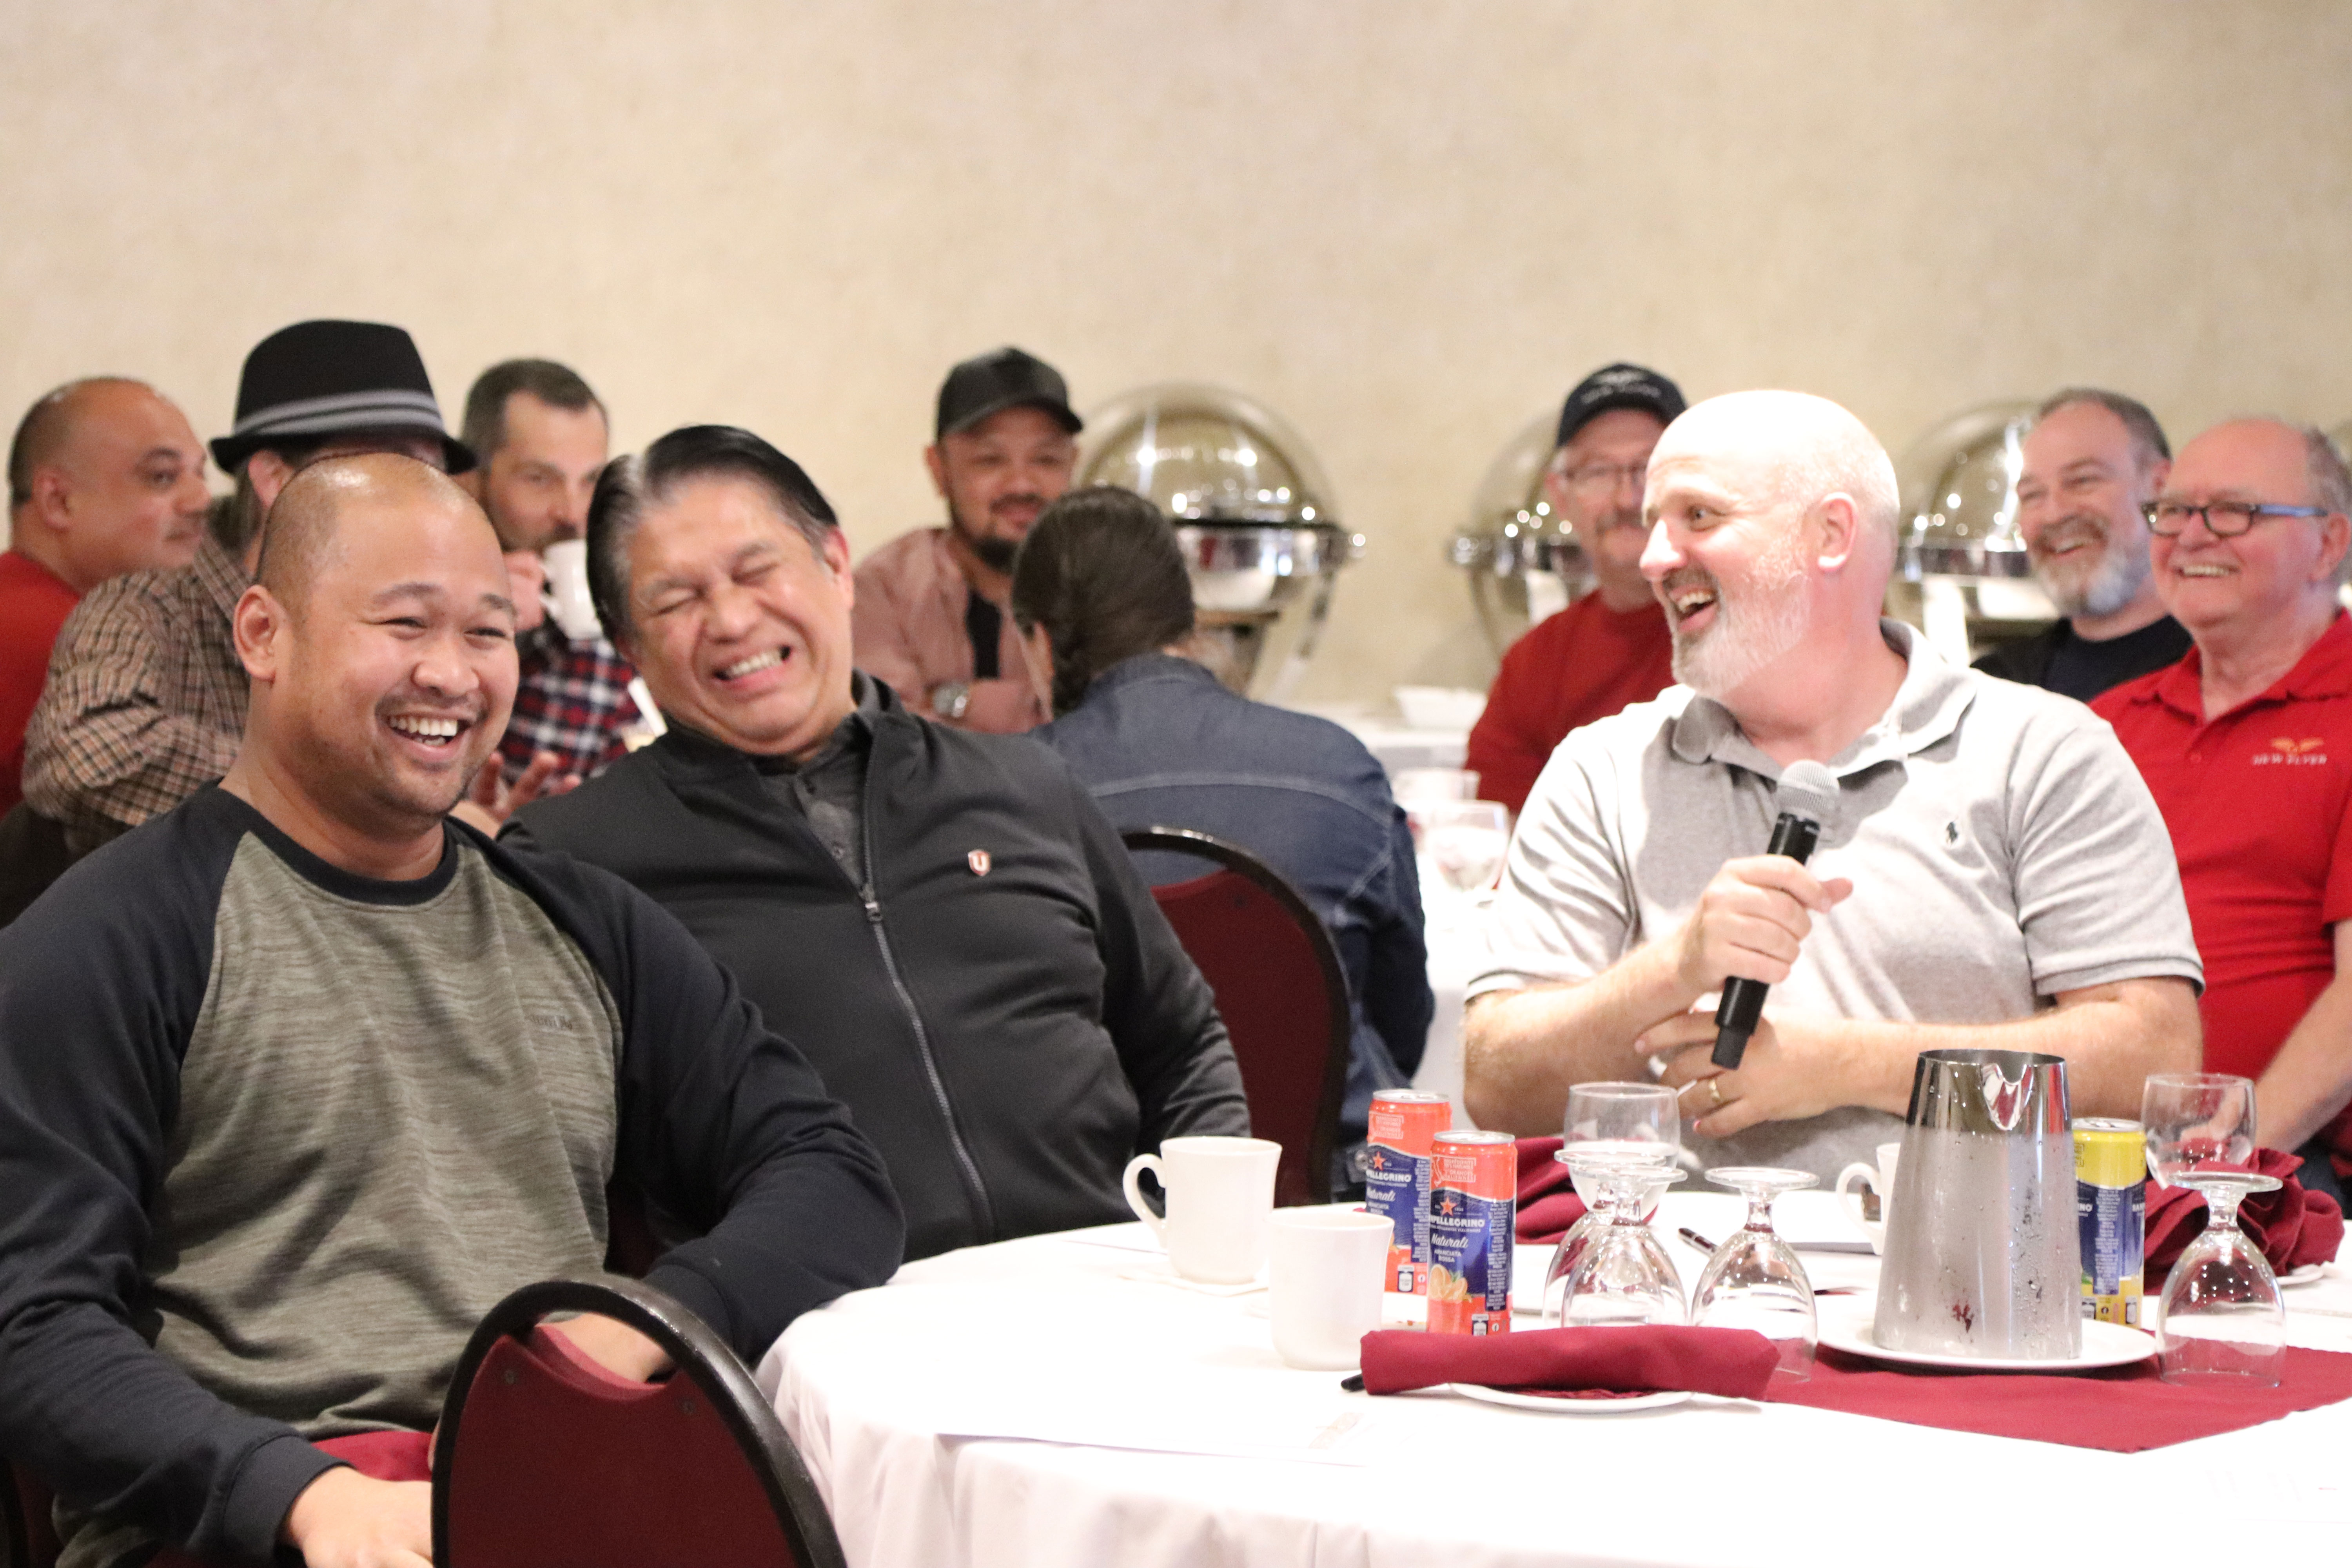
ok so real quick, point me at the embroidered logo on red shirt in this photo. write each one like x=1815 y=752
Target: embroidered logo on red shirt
x=2287 y=750
x=979 y=862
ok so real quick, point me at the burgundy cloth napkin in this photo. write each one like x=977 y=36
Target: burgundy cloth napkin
x=2121 y=1409
x=1547 y=1204
x=1735 y=1362
x=2292 y=1226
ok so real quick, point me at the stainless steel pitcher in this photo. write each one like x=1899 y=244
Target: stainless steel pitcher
x=1983 y=1253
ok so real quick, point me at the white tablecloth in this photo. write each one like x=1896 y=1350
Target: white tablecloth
x=1052 y=1335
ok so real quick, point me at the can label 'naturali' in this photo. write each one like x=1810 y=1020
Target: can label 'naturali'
x=1474 y=1184
x=2111 y=1207
x=1396 y=1177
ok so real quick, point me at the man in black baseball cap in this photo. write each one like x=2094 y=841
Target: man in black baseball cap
x=1611 y=647
x=930 y=617
x=146 y=698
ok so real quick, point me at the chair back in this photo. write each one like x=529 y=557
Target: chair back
x=28 y=1539
x=1281 y=992
x=545 y=1459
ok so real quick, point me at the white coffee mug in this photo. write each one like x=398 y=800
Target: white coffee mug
x=1325 y=1274
x=1881 y=1181
x=1219 y=1194
x=567 y=595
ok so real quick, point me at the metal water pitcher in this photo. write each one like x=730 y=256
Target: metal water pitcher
x=1983 y=1252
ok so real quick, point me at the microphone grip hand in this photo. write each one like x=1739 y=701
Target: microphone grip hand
x=1743 y=999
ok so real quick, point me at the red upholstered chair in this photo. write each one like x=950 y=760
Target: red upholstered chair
x=1281 y=991
x=546 y=1460
x=26 y=1538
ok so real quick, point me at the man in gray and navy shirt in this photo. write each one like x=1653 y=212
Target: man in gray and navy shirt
x=298 y=1079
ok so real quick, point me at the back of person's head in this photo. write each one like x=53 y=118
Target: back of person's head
x=1102 y=575
x=630 y=485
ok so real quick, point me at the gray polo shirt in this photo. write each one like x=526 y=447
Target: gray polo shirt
x=2002 y=845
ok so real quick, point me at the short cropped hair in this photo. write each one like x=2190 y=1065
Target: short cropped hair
x=1102 y=572
x=2148 y=443
x=557 y=385
x=2331 y=480
x=629 y=485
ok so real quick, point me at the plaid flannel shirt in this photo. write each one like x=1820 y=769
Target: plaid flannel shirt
x=145 y=700
x=573 y=700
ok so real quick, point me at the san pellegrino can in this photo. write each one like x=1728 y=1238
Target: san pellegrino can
x=1473 y=1187
x=2111 y=1207
x=1396 y=1177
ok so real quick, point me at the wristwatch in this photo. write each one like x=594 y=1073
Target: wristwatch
x=950 y=698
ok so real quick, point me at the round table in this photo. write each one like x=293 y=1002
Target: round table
x=1000 y=1405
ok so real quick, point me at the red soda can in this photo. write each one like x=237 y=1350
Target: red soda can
x=1396 y=1177
x=1474 y=1184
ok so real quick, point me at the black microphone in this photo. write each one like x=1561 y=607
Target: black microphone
x=1808 y=796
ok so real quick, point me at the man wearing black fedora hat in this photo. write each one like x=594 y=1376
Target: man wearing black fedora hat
x=146 y=697
x=931 y=617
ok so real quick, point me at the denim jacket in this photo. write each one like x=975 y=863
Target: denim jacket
x=1159 y=744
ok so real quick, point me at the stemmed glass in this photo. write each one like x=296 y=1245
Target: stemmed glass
x=2223 y=1320
x=1754 y=1280
x=1623 y=1279
x=1642 y=1121
x=2196 y=1119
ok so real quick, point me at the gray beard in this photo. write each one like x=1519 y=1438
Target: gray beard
x=2114 y=585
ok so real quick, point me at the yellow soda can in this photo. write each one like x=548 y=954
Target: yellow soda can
x=2111 y=1207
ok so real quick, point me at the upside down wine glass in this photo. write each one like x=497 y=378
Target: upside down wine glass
x=1753 y=1281
x=1642 y=1120
x=1622 y=1279
x=2223 y=1320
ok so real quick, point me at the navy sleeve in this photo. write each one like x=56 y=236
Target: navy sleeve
x=100 y=985
x=724 y=1127
x=1394 y=979
x=1160 y=1013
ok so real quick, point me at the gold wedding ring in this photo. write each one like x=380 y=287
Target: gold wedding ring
x=1715 y=1087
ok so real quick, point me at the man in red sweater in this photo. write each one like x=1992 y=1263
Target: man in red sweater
x=104 y=478
x=1611 y=649
x=2246 y=744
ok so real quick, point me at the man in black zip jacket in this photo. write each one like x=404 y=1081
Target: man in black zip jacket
x=942 y=919
x=300 y=1078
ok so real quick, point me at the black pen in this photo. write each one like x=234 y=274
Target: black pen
x=1695 y=1239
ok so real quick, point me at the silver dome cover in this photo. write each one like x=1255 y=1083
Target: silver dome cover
x=1254 y=513
x=1958 y=484
x=1512 y=530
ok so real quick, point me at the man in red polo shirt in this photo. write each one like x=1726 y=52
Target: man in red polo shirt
x=104 y=478
x=2247 y=745
x=1611 y=649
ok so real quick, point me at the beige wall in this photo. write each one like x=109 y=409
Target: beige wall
x=1408 y=227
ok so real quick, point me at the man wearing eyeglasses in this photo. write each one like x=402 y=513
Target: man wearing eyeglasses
x=2093 y=459
x=1611 y=649
x=2247 y=745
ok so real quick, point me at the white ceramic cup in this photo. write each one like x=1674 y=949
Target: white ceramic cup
x=1324 y=1273
x=1881 y=1181
x=566 y=561
x=1220 y=1197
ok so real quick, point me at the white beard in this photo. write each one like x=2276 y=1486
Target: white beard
x=1751 y=632
x=2110 y=586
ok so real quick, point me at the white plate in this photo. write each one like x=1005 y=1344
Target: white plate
x=1570 y=1406
x=1845 y=1325
x=2309 y=1274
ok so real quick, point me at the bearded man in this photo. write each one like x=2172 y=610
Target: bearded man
x=933 y=619
x=1994 y=874
x=2094 y=460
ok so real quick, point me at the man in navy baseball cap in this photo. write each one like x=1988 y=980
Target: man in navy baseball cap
x=1611 y=647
